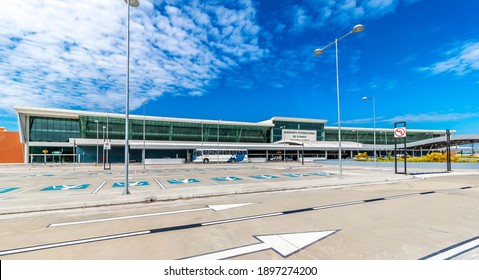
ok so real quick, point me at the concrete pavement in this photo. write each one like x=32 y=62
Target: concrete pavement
x=48 y=187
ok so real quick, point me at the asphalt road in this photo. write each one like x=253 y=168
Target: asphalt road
x=431 y=216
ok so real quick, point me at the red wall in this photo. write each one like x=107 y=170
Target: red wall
x=11 y=150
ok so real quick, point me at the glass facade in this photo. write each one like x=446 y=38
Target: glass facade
x=43 y=129
x=114 y=128
x=53 y=130
x=50 y=131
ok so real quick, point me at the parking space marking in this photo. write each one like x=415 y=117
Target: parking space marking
x=72 y=173
x=131 y=184
x=159 y=184
x=38 y=175
x=66 y=187
x=183 y=181
x=5 y=190
x=210 y=181
x=261 y=177
x=295 y=175
x=228 y=178
x=321 y=173
x=99 y=187
x=20 y=192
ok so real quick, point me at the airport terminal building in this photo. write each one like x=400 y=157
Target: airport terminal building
x=67 y=135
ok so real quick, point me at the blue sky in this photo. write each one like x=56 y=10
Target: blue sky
x=245 y=60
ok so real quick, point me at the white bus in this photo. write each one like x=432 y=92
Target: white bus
x=220 y=155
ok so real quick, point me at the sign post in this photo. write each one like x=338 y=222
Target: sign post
x=45 y=152
x=399 y=132
x=106 y=149
x=448 y=150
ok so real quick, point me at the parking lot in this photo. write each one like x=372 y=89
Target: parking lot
x=65 y=211
x=42 y=187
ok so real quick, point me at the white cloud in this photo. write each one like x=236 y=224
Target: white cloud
x=73 y=53
x=462 y=60
x=433 y=117
x=301 y=19
x=318 y=13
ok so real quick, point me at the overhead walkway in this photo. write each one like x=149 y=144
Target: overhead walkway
x=441 y=142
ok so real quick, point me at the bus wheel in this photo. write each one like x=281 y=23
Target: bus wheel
x=206 y=160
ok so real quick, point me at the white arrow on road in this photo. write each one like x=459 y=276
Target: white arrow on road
x=208 y=207
x=283 y=244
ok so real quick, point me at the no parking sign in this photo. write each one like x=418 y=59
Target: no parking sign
x=400 y=132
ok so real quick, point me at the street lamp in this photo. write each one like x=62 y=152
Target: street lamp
x=202 y=145
x=386 y=140
x=374 y=121
x=357 y=139
x=357 y=28
x=218 y=143
x=284 y=142
x=96 y=163
x=132 y=3
x=103 y=153
x=144 y=121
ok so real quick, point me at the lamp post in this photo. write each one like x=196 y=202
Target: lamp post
x=103 y=153
x=284 y=142
x=96 y=163
x=218 y=144
x=357 y=28
x=386 y=140
x=132 y=3
x=202 y=145
x=302 y=153
x=144 y=122
x=374 y=121
x=357 y=139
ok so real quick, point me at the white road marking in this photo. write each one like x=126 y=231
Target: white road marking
x=99 y=187
x=227 y=206
x=210 y=181
x=455 y=250
x=69 y=243
x=208 y=207
x=17 y=193
x=243 y=219
x=159 y=184
x=283 y=244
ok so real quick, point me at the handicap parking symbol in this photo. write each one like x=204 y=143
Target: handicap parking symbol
x=264 y=177
x=39 y=175
x=5 y=190
x=183 y=181
x=66 y=187
x=131 y=184
x=230 y=178
x=321 y=174
x=295 y=175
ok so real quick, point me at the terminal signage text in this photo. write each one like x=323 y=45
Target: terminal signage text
x=299 y=135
